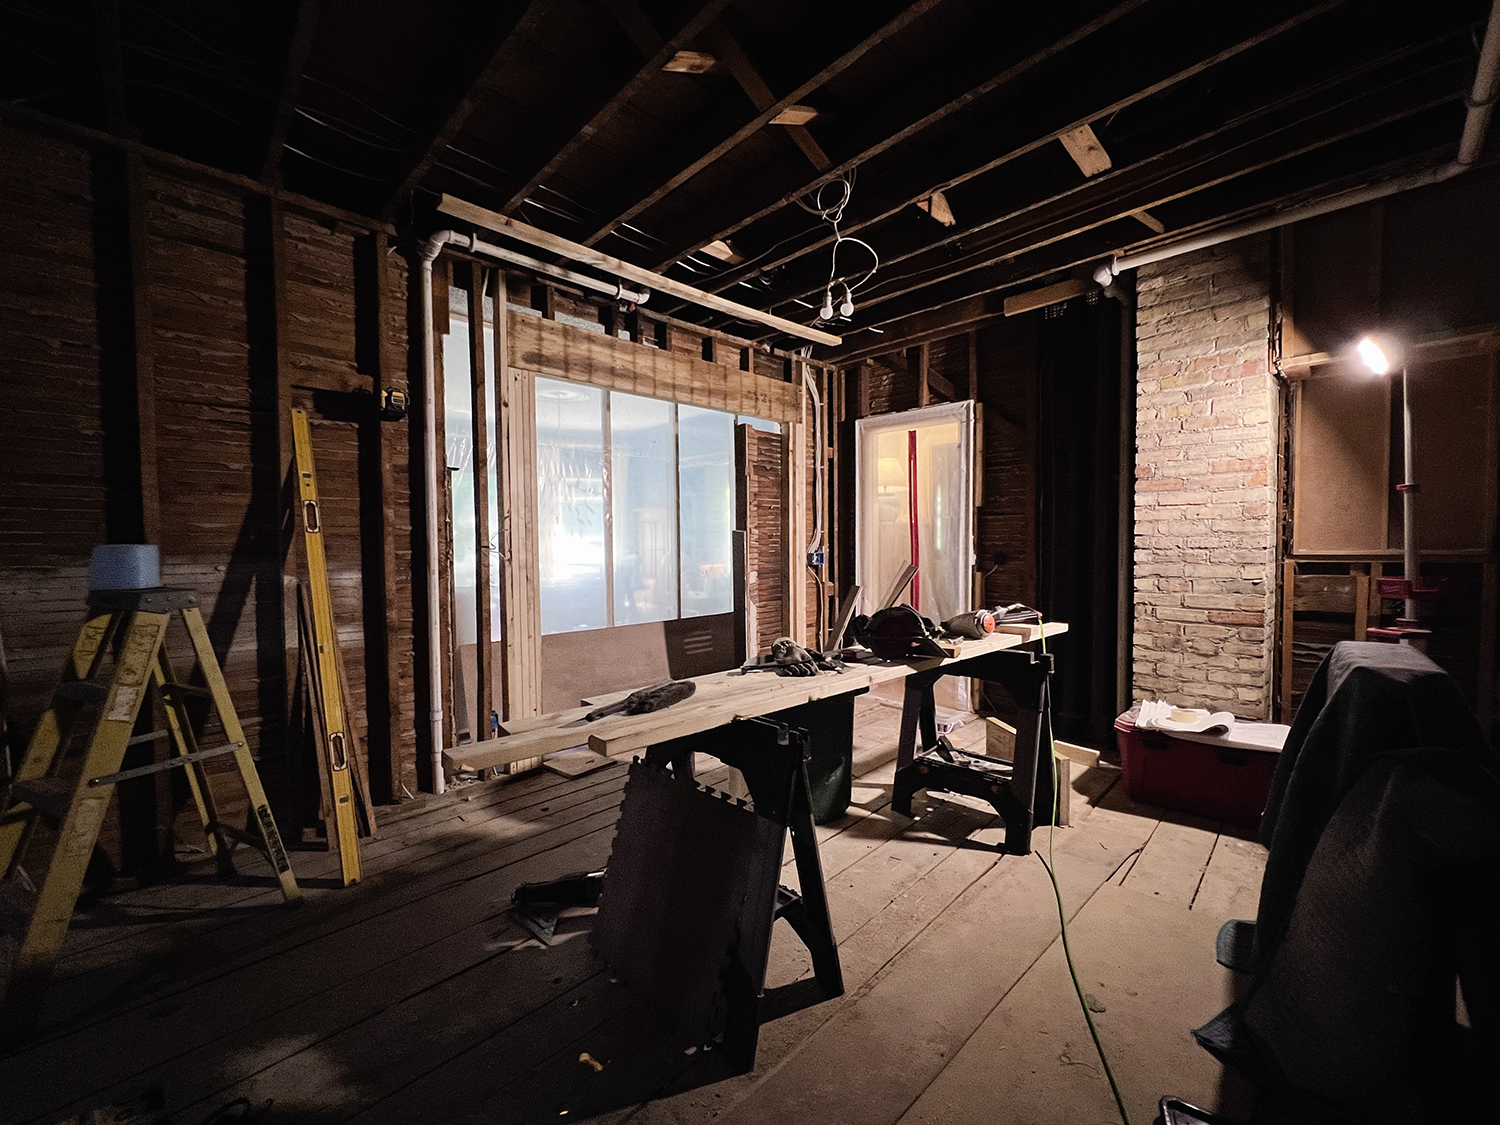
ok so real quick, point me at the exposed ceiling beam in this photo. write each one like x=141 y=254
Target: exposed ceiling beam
x=456 y=117
x=933 y=301
x=885 y=139
x=658 y=54
x=729 y=52
x=545 y=240
x=922 y=327
x=1051 y=225
x=1329 y=108
x=1033 y=299
x=688 y=167
x=291 y=83
x=944 y=162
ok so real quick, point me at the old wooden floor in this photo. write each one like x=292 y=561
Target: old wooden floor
x=412 y=997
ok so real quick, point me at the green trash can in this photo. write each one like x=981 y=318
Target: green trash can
x=829 y=724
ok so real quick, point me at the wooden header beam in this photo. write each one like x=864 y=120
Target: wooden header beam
x=535 y=236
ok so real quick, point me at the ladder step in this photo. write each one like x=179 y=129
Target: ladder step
x=51 y=796
x=152 y=737
x=250 y=839
x=81 y=691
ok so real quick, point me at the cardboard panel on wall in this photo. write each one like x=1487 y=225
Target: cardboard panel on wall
x=1340 y=465
x=1453 y=425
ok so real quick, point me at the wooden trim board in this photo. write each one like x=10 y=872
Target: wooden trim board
x=560 y=351
x=534 y=236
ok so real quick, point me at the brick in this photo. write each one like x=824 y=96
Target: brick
x=1179 y=613
x=1233 y=617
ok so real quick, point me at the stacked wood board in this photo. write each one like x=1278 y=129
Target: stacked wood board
x=720 y=698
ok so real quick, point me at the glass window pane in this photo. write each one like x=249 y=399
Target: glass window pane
x=497 y=502
x=644 y=503
x=705 y=450
x=570 y=505
x=458 y=432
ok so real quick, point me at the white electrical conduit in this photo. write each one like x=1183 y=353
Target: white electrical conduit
x=820 y=439
x=1481 y=102
x=430 y=250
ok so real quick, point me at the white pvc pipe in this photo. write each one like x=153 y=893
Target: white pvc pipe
x=1481 y=103
x=618 y=290
x=820 y=440
x=430 y=251
x=1482 y=97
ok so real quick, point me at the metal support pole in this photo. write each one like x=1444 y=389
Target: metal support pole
x=1408 y=504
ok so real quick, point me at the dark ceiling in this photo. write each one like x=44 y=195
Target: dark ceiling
x=560 y=112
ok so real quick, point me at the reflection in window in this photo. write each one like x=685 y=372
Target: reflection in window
x=570 y=505
x=666 y=550
x=645 y=509
x=705 y=444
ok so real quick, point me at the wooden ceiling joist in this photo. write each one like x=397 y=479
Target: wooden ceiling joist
x=460 y=113
x=887 y=140
x=943 y=164
x=924 y=327
x=732 y=55
x=569 y=105
x=660 y=53
x=935 y=301
x=687 y=166
x=1299 y=124
x=534 y=236
x=1051 y=227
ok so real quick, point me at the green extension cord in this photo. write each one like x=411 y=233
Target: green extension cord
x=1062 y=915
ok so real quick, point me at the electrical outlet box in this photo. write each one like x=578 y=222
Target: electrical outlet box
x=815 y=558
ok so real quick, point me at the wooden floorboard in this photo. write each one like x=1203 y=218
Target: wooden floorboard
x=412 y=997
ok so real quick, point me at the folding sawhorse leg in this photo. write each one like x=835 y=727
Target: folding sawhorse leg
x=1016 y=789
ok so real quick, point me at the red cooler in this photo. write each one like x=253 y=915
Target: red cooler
x=1218 y=779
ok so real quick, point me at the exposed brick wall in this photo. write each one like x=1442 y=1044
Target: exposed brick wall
x=1205 y=504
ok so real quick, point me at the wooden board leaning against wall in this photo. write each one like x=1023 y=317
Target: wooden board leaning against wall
x=548 y=332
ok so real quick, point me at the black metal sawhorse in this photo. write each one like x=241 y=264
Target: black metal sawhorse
x=773 y=758
x=1015 y=789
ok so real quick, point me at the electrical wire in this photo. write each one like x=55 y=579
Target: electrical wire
x=832 y=214
x=1062 y=915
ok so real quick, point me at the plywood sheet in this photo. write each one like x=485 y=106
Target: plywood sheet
x=1453 y=424
x=1340 y=465
x=599 y=661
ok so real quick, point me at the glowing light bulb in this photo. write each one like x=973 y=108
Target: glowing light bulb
x=1373 y=356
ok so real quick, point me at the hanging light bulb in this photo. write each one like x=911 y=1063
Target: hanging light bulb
x=846 y=307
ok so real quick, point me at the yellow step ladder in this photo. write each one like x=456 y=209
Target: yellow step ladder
x=73 y=762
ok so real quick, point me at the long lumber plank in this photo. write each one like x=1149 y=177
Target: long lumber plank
x=720 y=699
